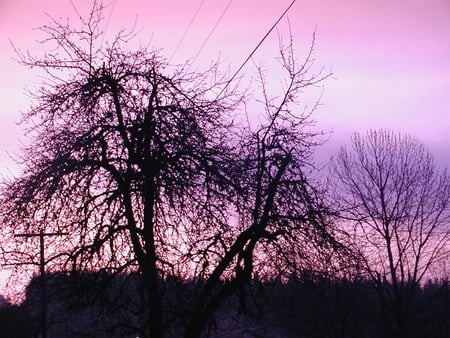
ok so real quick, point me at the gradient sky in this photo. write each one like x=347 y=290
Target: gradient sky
x=390 y=58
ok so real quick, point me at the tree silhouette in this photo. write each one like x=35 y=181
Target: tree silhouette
x=149 y=168
x=390 y=189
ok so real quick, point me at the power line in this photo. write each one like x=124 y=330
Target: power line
x=107 y=22
x=41 y=234
x=256 y=48
x=186 y=30
x=211 y=32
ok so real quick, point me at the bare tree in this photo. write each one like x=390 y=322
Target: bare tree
x=282 y=221
x=144 y=167
x=390 y=190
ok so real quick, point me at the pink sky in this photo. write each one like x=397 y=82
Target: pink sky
x=391 y=59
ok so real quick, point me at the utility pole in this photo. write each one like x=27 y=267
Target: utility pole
x=42 y=283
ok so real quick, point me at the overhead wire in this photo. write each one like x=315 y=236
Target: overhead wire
x=211 y=32
x=107 y=22
x=186 y=30
x=257 y=47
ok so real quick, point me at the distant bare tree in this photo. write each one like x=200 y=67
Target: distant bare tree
x=145 y=168
x=390 y=190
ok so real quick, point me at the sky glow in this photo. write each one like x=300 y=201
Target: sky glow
x=390 y=59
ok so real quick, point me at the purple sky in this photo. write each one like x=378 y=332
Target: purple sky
x=390 y=58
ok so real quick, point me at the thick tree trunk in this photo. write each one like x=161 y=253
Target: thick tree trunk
x=149 y=266
x=154 y=301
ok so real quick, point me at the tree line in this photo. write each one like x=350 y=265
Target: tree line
x=96 y=304
x=163 y=174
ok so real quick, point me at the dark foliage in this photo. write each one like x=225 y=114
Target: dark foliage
x=308 y=305
x=15 y=322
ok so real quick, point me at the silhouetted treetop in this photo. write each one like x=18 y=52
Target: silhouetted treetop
x=150 y=169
